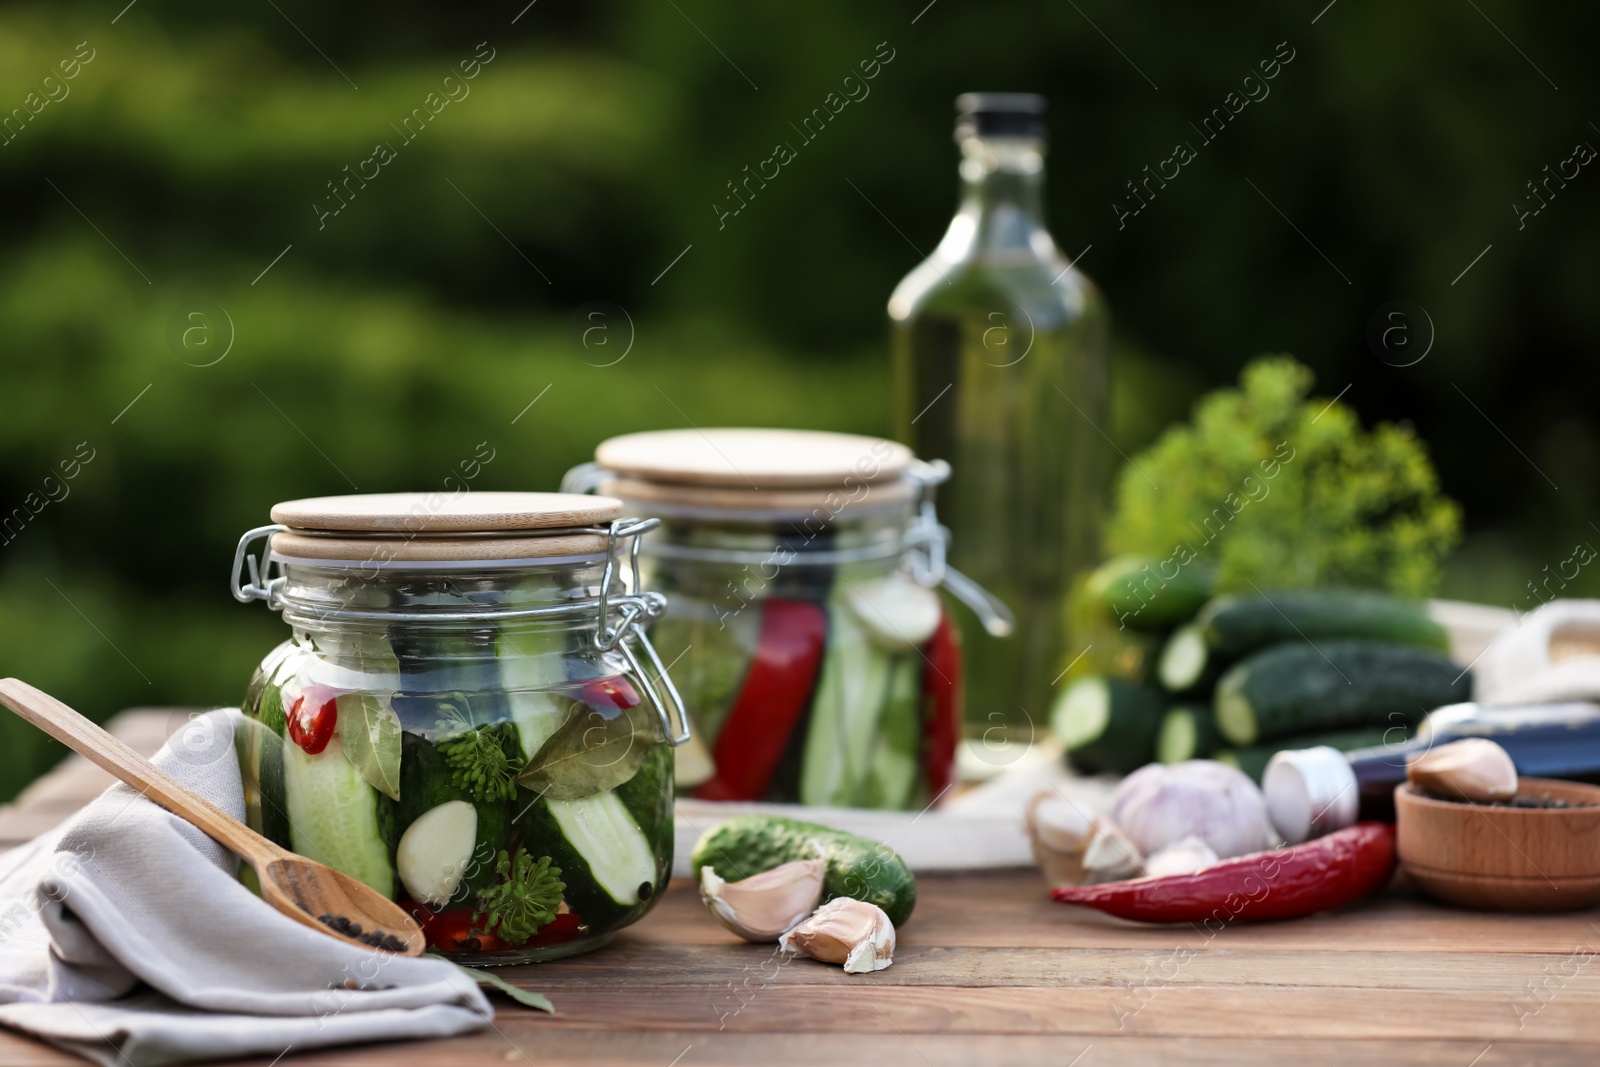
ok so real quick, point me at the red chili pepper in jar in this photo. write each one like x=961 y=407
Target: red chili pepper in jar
x=610 y=694
x=943 y=718
x=312 y=717
x=1278 y=884
x=455 y=930
x=776 y=691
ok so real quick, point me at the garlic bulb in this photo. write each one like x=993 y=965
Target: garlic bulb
x=765 y=905
x=1184 y=857
x=848 y=931
x=1076 y=846
x=1472 y=769
x=1161 y=804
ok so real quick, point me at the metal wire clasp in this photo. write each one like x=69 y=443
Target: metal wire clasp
x=638 y=608
x=927 y=545
x=257 y=588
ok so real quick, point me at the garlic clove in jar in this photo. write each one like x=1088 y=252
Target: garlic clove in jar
x=765 y=905
x=848 y=931
x=1474 y=769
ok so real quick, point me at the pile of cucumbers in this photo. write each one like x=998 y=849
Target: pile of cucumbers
x=1181 y=674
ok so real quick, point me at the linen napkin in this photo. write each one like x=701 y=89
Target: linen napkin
x=126 y=937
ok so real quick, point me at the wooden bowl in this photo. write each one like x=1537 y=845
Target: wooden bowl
x=1503 y=858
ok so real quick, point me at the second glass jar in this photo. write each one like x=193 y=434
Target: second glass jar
x=815 y=656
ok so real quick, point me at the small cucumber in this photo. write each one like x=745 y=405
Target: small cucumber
x=1188 y=731
x=335 y=817
x=1238 y=625
x=1107 y=724
x=857 y=866
x=1187 y=663
x=1137 y=592
x=1299 y=688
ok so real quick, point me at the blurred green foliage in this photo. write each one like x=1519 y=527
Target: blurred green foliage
x=382 y=348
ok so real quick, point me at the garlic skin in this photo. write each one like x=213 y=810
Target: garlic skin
x=1076 y=846
x=1161 y=804
x=1184 y=857
x=848 y=931
x=1473 y=769
x=766 y=905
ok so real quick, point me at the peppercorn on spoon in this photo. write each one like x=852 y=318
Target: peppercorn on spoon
x=311 y=893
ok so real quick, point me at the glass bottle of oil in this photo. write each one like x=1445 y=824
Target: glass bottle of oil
x=1000 y=353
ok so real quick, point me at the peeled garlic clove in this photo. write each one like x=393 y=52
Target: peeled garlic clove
x=1472 y=769
x=765 y=905
x=1183 y=857
x=1111 y=856
x=1075 y=846
x=852 y=932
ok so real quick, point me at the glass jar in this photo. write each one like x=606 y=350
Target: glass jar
x=461 y=719
x=816 y=658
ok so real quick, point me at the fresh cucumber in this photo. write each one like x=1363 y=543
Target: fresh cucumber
x=608 y=864
x=1139 y=593
x=857 y=866
x=845 y=713
x=1253 y=760
x=1300 y=687
x=1240 y=624
x=1187 y=664
x=1107 y=724
x=336 y=818
x=1188 y=731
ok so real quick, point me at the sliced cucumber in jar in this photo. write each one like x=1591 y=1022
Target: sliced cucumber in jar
x=845 y=713
x=897 y=613
x=603 y=831
x=335 y=816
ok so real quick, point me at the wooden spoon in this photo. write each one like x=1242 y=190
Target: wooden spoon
x=300 y=888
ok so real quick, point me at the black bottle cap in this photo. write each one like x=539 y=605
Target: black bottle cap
x=999 y=115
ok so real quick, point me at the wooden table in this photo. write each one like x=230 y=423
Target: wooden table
x=990 y=972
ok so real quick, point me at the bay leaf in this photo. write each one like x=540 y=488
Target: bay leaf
x=370 y=732
x=591 y=751
x=526 y=997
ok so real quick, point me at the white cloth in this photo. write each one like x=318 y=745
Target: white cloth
x=126 y=937
x=1551 y=655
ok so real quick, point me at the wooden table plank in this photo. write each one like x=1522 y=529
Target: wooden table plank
x=990 y=971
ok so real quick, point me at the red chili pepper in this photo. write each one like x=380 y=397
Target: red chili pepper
x=455 y=930
x=942 y=715
x=777 y=688
x=1279 y=884
x=312 y=717
x=607 y=694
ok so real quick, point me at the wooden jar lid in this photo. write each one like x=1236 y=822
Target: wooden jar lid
x=415 y=513
x=755 y=469
x=416 y=527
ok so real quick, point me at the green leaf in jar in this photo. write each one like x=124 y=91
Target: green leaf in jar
x=370 y=733
x=591 y=751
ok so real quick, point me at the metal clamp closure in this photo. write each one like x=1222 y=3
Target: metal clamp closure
x=256 y=588
x=928 y=544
